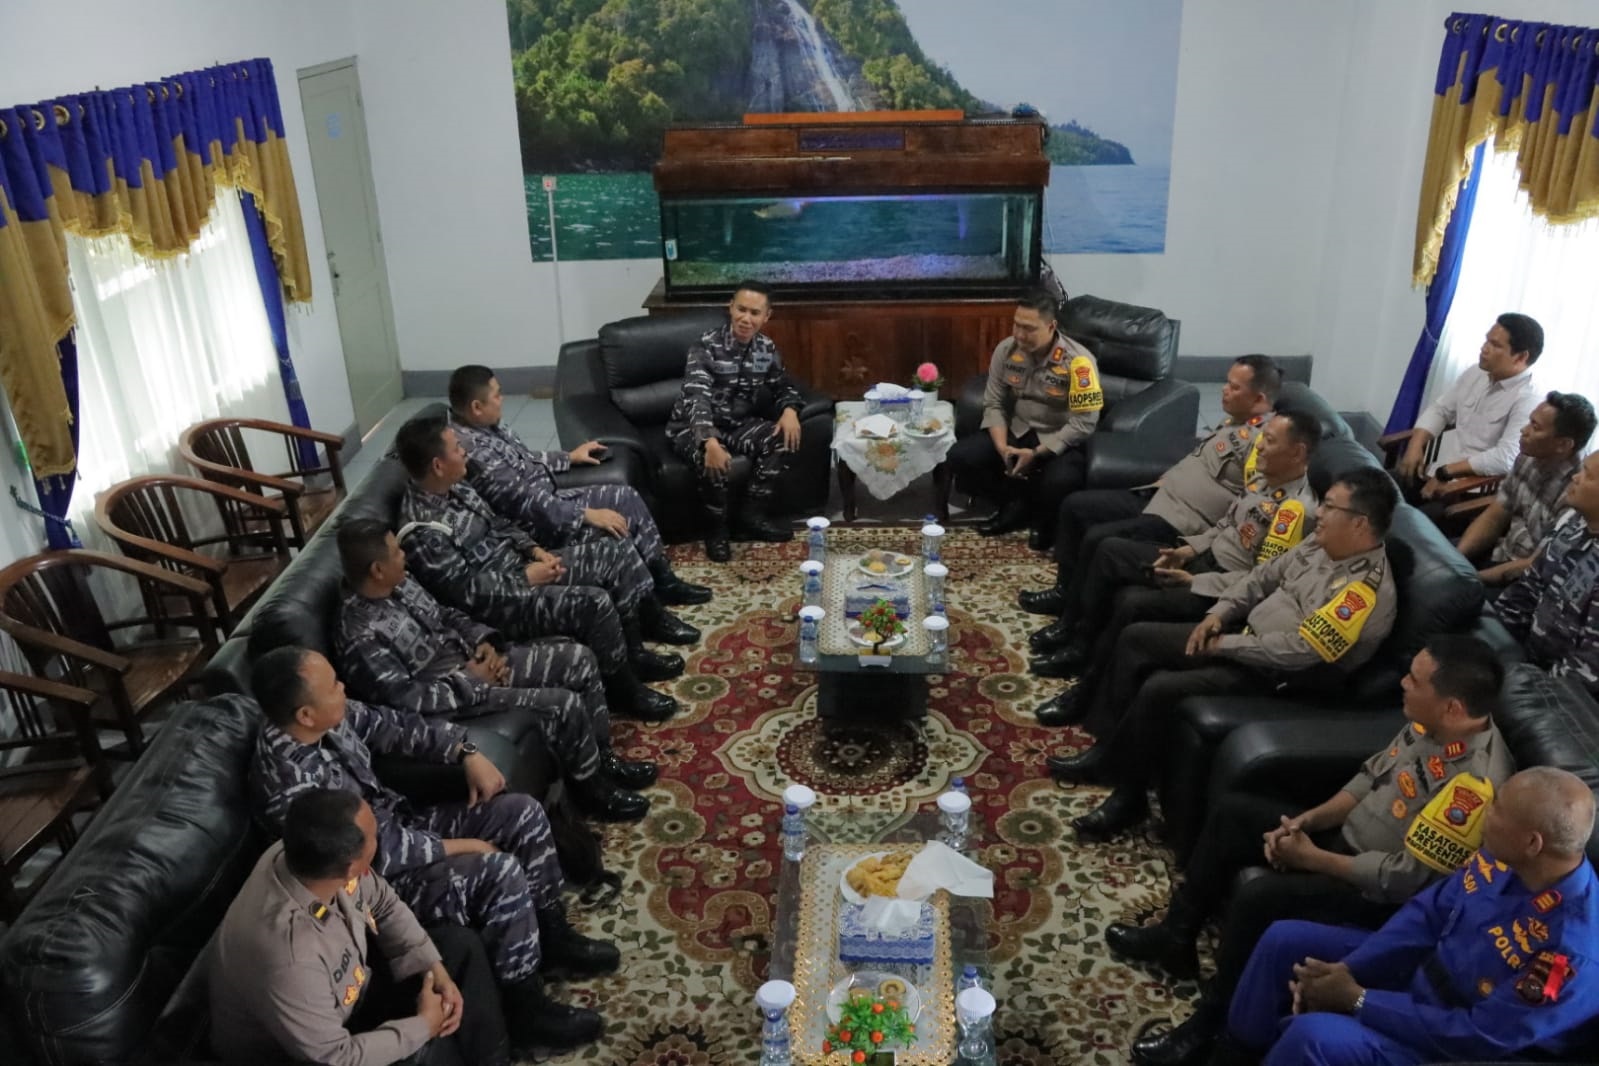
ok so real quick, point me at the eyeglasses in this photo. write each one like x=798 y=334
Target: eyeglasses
x=1346 y=510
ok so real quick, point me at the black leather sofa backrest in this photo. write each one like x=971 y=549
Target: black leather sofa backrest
x=1296 y=396
x=644 y=359
x=93 y=961
x=1138 y=343
x=1550 y=721
x=1336 y=456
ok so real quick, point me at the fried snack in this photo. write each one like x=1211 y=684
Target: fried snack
x=891 y=988
x=878 y=875
x=877 y=566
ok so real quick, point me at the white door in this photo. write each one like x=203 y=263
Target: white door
x=330 y=96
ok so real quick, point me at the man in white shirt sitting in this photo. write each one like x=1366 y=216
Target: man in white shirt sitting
x=1486 y=408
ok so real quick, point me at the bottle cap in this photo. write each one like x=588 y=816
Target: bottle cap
x=775 y=995
x=811 y=566
x=954 y=802
x=933 y=623
x=974 y=1004
x=818 y=522
x=969 y=970
x=799 y=796
x=929 y=519
x=932 y=529
x=812 y=614
x=935 y=570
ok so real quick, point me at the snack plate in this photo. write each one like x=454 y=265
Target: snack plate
x=890 y=560
x=916 y=429
x=857 y=633
x=873 y=981
x=843 y=878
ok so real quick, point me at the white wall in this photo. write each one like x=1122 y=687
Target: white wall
x=52 y=47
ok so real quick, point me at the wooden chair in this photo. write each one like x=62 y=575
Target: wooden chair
x=54 y=769
x=1467 y=497
x=217 y=449
x=145 y=516
x=131 y=664
x=1394 y=446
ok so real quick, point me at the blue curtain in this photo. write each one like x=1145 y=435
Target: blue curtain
x=55 y=493
x=1440 y=295
x=266 y=276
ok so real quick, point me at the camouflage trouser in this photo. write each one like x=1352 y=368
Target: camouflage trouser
x=558 y=682
x=625 y=500
x=496 y=894
x=564 y=664
x=579 y=612
x=612 y=565
x=752 y=437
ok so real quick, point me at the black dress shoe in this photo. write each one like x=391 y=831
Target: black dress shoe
x=1065 y=708
x=760 y=527
x=1057 y=634
x=656 y=665
x=643 y=704
x=1062 y=662
x=1043 y=601
x=718 y=549
x=1039 y=541
x=600 y=797
x=1189 y=1044
x=537 y=1021
x=1076 y=769
x=1160 y=945
x=631 y=774
x=1011 y=517
x=675 y=592
x=661 y=625
x=1123 y=809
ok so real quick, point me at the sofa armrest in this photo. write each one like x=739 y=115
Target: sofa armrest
x=1122 y=460
x=578 y=371
x=816 y=402
x=1305 y=759
x=969 y=406
x=595 y=417
x=1168 y=408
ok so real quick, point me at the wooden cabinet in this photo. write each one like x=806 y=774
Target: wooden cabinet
x=844 y=347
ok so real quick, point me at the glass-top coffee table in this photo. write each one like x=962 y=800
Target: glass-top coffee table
x=805 y=942
x=851 y=681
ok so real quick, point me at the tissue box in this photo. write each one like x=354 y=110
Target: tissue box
x=858 y=944
x=858 y=598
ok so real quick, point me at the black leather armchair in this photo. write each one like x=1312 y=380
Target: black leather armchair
x=1149 y=415
x=619 y=388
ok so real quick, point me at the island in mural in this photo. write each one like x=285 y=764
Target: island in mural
x=598 y=81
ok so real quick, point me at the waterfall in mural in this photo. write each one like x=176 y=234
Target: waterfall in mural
x=816 y=58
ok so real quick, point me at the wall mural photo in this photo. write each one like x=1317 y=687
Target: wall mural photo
x=598 y=81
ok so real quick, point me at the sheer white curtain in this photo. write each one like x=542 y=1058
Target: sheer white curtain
x=163 y=344
x=1516 y=262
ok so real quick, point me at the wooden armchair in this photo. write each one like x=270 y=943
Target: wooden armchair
x=130 y=664
x=217 y=449
x=54 y=769
x=146 y=517
x=1394 y=446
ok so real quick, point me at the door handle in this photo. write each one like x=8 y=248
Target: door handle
x=333 y=268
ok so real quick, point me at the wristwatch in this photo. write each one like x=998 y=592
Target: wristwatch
x=466 y=748
x=1360 y=1001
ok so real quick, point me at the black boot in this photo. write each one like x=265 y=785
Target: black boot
x=1062 y=662
x=537 y=1021
x=1169 y=945
x=1188 y=1044
x=1075 y=769
x=649 y=665
x=1045 y=601
x=1041 y=540
x=628 y=697
x=1124 y=809
x=634 y=774
x=718 y=547
x=598 y=796
x=1011 y=516
x=1066 y=708
x=1057 y=634
x=755 y=522
x=673 y=590
x=658 y=624
x=570 y=952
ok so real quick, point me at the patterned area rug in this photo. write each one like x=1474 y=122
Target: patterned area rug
x=700 y=872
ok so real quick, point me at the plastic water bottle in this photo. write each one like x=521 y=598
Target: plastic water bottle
x=957 y=784
x=932 y=541
x=935 y=573
x=810 y=633
x=793 y=833
x=974 y=1008
x=937 y=627
x=970 y=978
x=774 y=999
x=817 y=538
x=955 y=814
x=811 y=583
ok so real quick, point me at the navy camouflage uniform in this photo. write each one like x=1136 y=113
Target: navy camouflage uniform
x=1477 y=967
x=410 y=652
x=734 y=393
x=520 y=483
x=497 y=894
x=476 y=561
x=1554 y=608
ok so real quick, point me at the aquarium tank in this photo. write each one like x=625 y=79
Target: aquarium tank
x=889 y=245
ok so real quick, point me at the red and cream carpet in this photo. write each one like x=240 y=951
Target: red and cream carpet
x=696 y=911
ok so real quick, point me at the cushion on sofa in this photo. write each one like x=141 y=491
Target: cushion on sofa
x=1127 y=340
x=644 y=357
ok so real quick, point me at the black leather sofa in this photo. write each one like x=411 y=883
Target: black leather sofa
x=1438 y=593
x=1149 y=415
x=618 y=388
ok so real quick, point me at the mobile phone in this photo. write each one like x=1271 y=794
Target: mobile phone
x=600 y=452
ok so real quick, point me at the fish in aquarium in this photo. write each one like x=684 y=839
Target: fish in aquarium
x=781 y=209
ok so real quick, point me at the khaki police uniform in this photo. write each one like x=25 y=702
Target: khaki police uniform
x=287 y=970
x=1418 y=816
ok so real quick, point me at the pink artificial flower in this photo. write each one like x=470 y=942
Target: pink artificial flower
x=927 y=373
